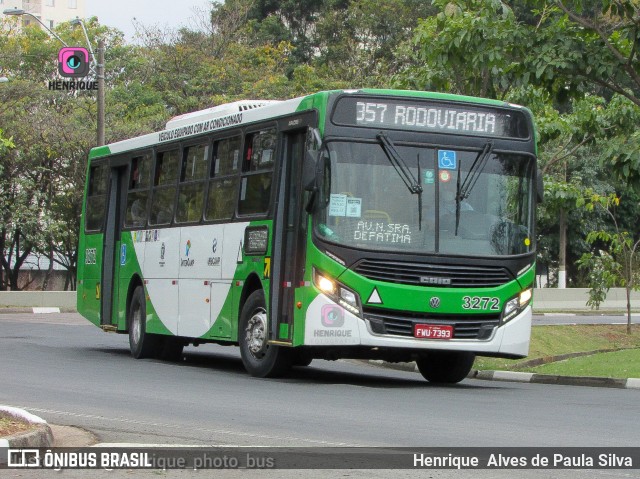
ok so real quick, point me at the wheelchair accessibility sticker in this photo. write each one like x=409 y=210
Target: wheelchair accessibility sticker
x=447 y=160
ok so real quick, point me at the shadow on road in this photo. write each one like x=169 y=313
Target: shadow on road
x=320 y=372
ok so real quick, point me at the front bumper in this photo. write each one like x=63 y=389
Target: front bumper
x=328 y=324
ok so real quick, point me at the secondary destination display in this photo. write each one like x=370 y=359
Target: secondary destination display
x=432 y=116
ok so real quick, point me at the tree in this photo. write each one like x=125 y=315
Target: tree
x=571 y=153
x=358 y=41
x=5 y=145
x=593 y=46
x=43 y=179
x=291 y=21
x=20 y=194
x=590 y=43
x=603 y=272
x=572 y=63
x=43 y=173
x=624 y=248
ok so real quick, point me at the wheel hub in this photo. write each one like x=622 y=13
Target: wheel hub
x=137 y=325
x=256 y=334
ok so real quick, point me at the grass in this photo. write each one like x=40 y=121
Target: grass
x=619 y=364
x=550 y=343
x=10 y=426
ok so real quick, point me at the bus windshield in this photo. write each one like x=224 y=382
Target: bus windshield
x=366 y=204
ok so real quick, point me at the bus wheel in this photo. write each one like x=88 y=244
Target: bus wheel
x=260 y=359
x=301 y=359
x=171 y=349
x=141 y=343
x=446 y=367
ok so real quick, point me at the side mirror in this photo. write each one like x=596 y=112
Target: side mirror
x=312 y=168
x=539 y=186
x=310 y=162
x=312 y=178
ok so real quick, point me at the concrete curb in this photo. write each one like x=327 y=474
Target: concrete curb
x=514 y=376
x=15 y=310
x=41 y=436
x=631 y=383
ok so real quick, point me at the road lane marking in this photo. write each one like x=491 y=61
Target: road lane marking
x=178 y=426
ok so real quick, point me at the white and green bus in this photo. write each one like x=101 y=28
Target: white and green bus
x=372 y=224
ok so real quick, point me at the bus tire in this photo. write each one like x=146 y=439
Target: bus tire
x=142 y=344
x=445 y=367
x=301 y=358
x=172 y=349
x=259 y=358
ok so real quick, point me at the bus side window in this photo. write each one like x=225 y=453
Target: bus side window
x=97 y=197
x=224 y=182
x=255 y=187
x=138 y=195
x=164 y=187
x=192 y=183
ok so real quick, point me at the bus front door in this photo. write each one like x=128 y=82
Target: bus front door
x=289 y=233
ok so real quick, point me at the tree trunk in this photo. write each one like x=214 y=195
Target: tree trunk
x=47 y=276
x=4 y=282
x=562 y=253
x=628 y=289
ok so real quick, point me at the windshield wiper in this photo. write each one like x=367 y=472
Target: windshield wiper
x=410 y=181
x=463 y=191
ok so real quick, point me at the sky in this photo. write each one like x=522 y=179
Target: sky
x=163 y=13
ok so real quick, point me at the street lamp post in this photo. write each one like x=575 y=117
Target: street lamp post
x=20 y=12
x=101 y=104
x=97 y=65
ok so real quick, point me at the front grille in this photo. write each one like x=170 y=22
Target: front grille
x=448 y=275
x=401 y=323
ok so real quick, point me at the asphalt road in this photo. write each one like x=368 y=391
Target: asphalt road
x=69 y=372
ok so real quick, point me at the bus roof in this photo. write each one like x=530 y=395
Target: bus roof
x=249 y=111
x=218 y=111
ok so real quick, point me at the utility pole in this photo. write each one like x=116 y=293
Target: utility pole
x=100 y=75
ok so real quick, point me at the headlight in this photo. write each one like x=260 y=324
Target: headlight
x=516 y=305
x=337 y=292
x=525 y=297
x=325 y=285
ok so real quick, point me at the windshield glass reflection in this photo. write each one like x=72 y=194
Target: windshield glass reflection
x=366 y=204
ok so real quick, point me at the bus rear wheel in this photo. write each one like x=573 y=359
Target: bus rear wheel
x=259 y=358
x=445 y=367
x=141 y=343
